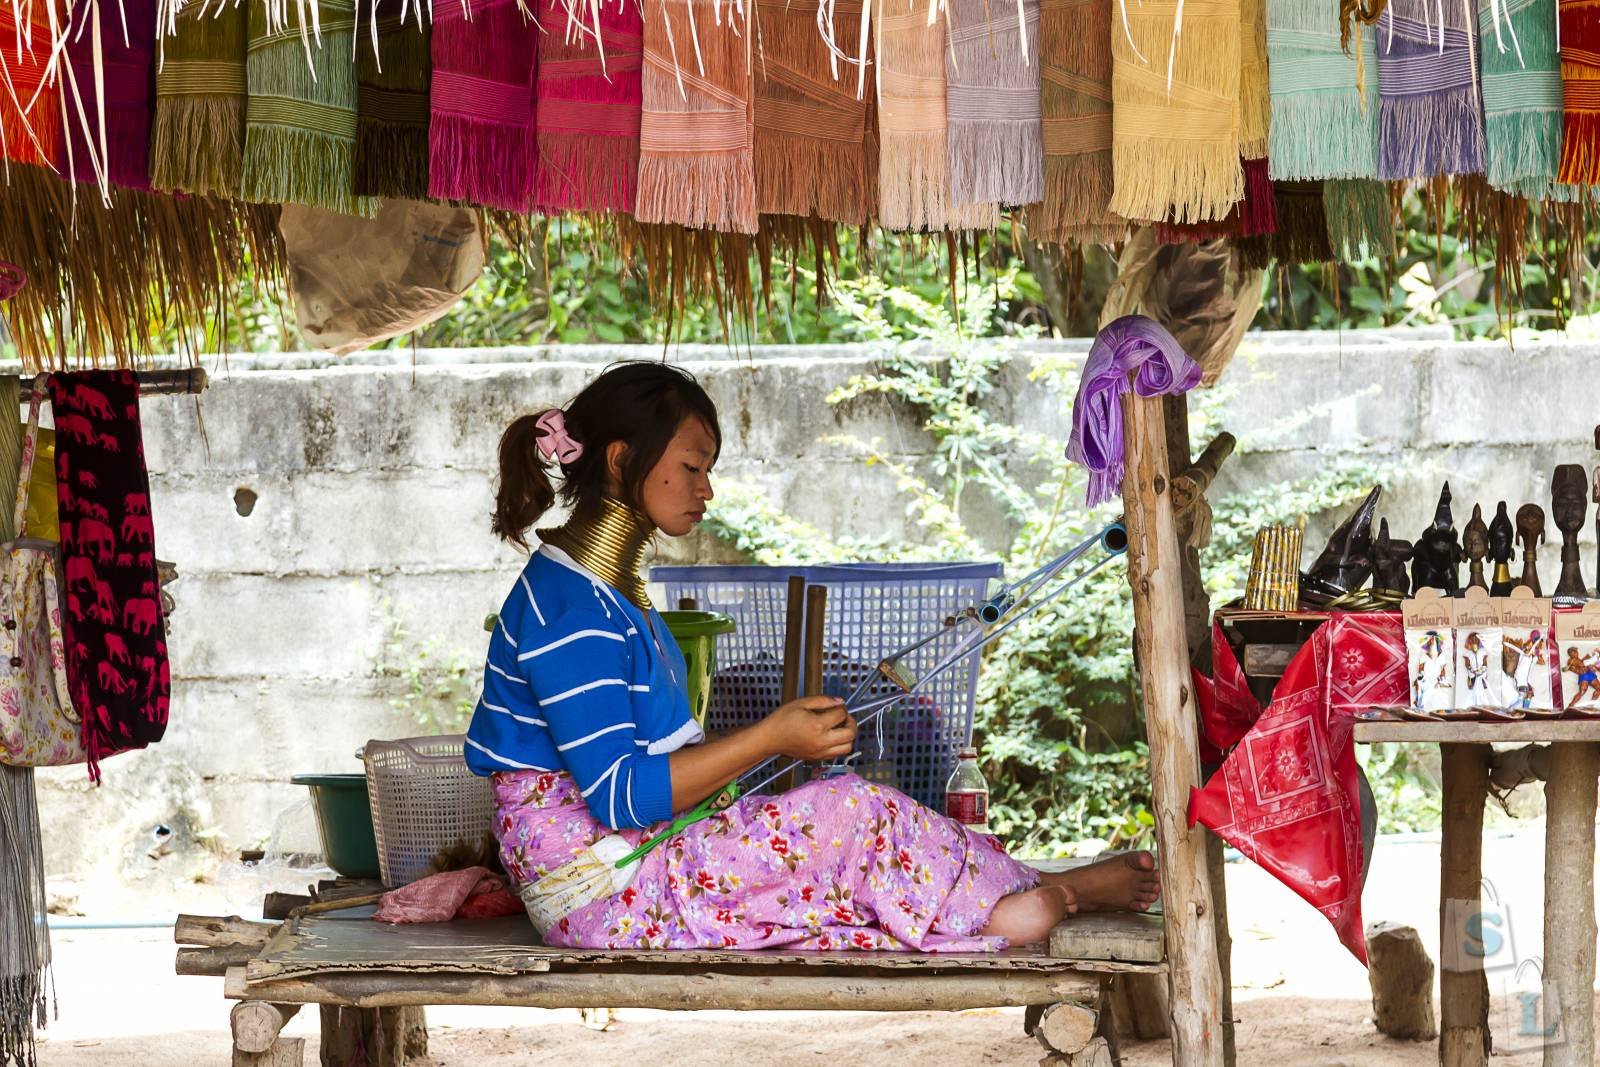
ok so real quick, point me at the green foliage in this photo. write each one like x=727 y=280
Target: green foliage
x=1405 y=784
x=438 y=686
x=1057 y=716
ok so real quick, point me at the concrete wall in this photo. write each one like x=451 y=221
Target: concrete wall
x=373 y=481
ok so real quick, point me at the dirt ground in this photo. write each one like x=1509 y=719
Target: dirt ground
x=1301 y=999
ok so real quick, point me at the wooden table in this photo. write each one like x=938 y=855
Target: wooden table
x=1569 y=910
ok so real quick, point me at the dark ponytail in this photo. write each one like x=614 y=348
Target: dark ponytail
x=640 y=403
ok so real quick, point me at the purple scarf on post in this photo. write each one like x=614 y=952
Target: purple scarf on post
x=1132 y=345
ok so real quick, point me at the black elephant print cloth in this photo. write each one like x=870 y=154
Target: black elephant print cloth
x=115 y=635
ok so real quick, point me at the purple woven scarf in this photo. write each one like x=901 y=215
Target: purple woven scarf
x=1430 y=121
x=1132 y=345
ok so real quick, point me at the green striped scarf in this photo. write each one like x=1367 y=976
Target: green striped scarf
x=197 y=134
x=1521 y=72
x=1324 y=103
x=300 y=121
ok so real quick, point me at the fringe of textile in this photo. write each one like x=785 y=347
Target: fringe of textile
x=1255 y=91
x=25 y=973
x=1302 y=234
x=127 y=45
x=197 y=136
x=1360 y=218
x=1324 y=102
x=300 y=116
x=1579 y=33
x=913 y=160
x=1500 y=219
x=995 y=137
x=679 y=263
x=392 y=77
x=1521 y=94
x=697 y=136
x=481 y=137
x=816 y=146
x=1075 y=105
x=30 y=109
x=1175 y=147
x=103 y=279
x=1258 y=214
x=787 y=240
x=1429 y=121
x=587 y=112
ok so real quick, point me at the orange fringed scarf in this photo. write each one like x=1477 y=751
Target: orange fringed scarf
x=1579 y=26
x=1075 y=101
x=30 y=111
x=696 y=137
x=816 y=148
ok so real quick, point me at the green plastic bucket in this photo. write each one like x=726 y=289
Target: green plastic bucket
x=344 y=819
x=696 y=633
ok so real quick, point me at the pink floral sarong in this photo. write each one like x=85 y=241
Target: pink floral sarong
x=835 y=864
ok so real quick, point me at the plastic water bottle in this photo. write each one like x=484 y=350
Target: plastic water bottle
x=966 y=795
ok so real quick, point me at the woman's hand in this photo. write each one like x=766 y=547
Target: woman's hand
x=811 y=728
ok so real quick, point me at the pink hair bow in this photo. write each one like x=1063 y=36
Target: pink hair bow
x=556 y=443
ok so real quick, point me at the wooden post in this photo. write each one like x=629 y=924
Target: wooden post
x=1401 y=977
x=1569 y=924
x=1464 y=1039
x=1155 y=562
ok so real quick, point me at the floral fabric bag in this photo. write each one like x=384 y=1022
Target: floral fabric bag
x=38 y=726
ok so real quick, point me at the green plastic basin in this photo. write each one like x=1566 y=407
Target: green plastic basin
x=344 y=820
x=696 y=633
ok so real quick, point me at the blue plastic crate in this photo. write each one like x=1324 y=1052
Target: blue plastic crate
x=873 y=610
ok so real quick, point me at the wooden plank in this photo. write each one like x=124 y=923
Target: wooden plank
x=1126 y=936
x=1482 y=732
x=1268 y=661
x=662 y=989
x=1464 y=1039
x=216 y=931
x=210 y=962
x=1160 y=650
x=1569 y=924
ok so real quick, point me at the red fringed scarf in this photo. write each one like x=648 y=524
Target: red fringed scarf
x=587 y=110
x=128 y=58
x=30 y=124
x=481 y=134
x=1579 y=23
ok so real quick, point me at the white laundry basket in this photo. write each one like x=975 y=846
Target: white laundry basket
x=423 y=799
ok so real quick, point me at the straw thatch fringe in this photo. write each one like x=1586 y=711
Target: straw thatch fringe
x=1164 y=171
x=197 y=136
x=391 y=155
x=1360 y=218
x=679 y=263
x=102 y=280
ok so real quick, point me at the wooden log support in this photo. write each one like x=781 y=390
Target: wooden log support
x=215 y=931
x=363 y=1037
x=1519 y=766
x=1569 y=923
x=1464 y=1038
x=1140 y=1006
x=1066 y=1027
x=257 y=1024
x=284 y=1052
x=213 y=962
x=1401 y=976
x=1160 y=648
x=1095 y=1054
x=673 y=991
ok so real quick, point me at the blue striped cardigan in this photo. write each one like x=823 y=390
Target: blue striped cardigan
x=579 y=679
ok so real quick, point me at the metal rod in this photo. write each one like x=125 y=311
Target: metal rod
x=189 y=381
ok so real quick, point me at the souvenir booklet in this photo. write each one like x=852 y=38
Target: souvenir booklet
x=1578 y=652
x=1430 y=653
x=1526 y=652
x=1480 y=676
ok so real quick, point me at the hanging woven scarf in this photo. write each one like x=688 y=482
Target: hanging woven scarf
x=816 y=150
x=121 y=120
x=480 y=135
x=1324 y=102
x=696 y=139
x=1579 y=34
x=197 y=139
x=1255 y=96
x=300 y=118
x=586 y=110
x=1360 y=219
x=913 y=160
x=1175 y=111
x=1302 y=232
x=30 y=115
x=1521 y=94
x=115 y=633
x=1075 y=103
x=1254 y=216
x=992 y=100
x=1429 y=121
x=392 y=106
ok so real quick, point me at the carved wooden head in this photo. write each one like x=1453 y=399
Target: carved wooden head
x=1569 y=497
x=1530 y=526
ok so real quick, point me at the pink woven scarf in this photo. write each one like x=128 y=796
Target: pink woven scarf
x=128 y=59
x=587 y=110
x=481 y=132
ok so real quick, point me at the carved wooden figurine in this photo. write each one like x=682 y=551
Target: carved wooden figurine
x=1436 y=555
x=1502 y=536
x=1569 y=505
x=1389 y=556
x=1475 y=543
x=1596 y=498
x=1345 y=563
x=1530 y=531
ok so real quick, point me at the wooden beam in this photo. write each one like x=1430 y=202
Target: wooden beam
x=1160 y=649
x=216 y=931
x=1464 y=1039
x=681 y=992
x=1469 y=732
x=213 y=962
x=1127 y=936
x=1569 y=924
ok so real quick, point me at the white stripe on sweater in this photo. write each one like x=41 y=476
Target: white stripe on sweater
x=610 y=771
x=687 y=734
x=629 y=794
x=512 y=641
x=578 y=690
x=598 y=733
x=507 y=711
x=529 y=590
x=609 y=635
x=492 y=754
x=508 y=676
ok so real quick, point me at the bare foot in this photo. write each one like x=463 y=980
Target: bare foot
x=1125 y=882
x=1029 y=916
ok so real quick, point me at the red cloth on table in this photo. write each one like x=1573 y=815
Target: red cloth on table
x=1286 y=796
x=474 y=893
